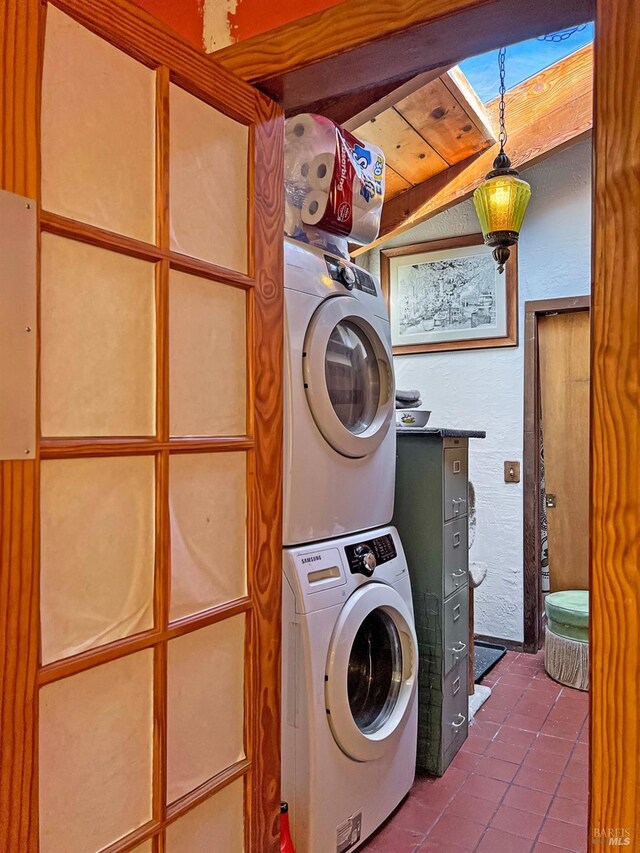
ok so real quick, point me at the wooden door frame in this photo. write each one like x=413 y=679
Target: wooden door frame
x=22 y=29
x=532 y=593
x=615 y=341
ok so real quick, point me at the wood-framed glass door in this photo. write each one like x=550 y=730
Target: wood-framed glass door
x=140 y=561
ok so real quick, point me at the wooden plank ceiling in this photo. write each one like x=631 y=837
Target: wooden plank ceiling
x=546 y=113
x=424 y=133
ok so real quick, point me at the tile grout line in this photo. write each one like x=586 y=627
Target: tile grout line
x=509 y=784
x=562 y=776
x=535 y=840
x=556 y=789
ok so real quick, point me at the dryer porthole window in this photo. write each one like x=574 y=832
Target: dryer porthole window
x=353 y=376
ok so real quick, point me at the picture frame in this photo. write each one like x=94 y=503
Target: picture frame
x=448 y=295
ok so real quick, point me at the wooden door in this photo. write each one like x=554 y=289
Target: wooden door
x=563 y=351
x=140 y=553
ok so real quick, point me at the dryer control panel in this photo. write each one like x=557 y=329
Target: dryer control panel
x=363 y=557
x=350 y=276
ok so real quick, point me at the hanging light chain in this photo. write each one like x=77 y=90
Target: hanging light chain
x=562 y=35
x=502 y=138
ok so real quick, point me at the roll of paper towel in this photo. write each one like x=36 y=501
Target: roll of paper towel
x=365 y=227
x=314 y=207
x=297 y=168
x=365 y=223
x=310 y=130
x=321 y=172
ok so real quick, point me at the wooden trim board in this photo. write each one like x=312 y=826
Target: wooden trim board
x=615 y=428
x=20 y=43
x=359 y=44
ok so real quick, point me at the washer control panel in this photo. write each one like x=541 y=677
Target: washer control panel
x=363 y=557
x=350 y=276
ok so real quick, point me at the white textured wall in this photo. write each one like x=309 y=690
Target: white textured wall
x=484 y=389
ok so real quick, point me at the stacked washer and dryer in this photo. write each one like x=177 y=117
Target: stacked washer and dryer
x=349 y=705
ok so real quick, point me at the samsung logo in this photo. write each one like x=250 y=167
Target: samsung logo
x=313 y=559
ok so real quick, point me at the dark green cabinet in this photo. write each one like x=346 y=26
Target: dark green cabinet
x=431 y=516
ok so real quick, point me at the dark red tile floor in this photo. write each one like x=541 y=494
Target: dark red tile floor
x=520 y=782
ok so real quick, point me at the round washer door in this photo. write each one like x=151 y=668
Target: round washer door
x=370 y=679
x=348 y=376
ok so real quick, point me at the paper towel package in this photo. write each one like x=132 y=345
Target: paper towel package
x=334 y=184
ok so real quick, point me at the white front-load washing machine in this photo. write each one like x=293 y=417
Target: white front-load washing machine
x=339 y=409
x=349 y=703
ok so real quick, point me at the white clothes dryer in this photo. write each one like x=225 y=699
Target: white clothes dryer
x=339 y=435
x=349 y=698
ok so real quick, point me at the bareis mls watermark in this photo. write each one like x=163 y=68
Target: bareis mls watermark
x=611 y=837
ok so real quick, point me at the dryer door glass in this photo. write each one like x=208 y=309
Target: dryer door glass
x=353 y=376
x=375 y=671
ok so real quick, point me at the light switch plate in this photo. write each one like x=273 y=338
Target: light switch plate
x=512 y=472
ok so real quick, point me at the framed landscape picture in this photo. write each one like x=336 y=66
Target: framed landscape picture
x=448 y=295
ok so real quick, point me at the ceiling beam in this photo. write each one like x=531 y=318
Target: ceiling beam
x=370 y=101
x=394 y=93
x=360 y=44
x=548 y=112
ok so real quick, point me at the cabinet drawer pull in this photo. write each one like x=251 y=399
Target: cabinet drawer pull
x=462 y=645
x=456 y=685
x=456 y=466
x=456 y=613
x=456 y=540
x=456 y=726
x=457 y=575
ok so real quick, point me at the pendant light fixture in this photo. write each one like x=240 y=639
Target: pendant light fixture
x=501 y=201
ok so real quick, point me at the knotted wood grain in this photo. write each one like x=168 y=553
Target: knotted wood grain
x=615 y=433
x=19 y=111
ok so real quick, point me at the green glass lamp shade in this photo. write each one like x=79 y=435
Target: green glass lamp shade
x=501 y=203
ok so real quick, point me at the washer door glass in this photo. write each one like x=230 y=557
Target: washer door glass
x=353 y=377
x=347 y=371
x=370 y=676
x=375 y=672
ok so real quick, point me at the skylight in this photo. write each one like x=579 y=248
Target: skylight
x=523 y=61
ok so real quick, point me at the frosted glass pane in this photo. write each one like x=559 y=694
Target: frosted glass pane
x=98 y=341
x=208 y=163
x=208 y=506
x=98 y=131
x=205 y=710
x=208 y=333
x=95 y=759
x=97 y=552
x=216 y=825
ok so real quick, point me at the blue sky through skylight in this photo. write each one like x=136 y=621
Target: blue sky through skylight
x=523 y=61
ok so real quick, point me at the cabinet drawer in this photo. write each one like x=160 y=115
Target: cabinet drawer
x=455 y=482
x=456 y=555
x=456 y=628
x=455 y=706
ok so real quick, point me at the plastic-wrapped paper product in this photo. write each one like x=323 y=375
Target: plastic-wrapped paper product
x=334 y=184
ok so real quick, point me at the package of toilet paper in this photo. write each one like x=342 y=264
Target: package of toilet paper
x=334 y=184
